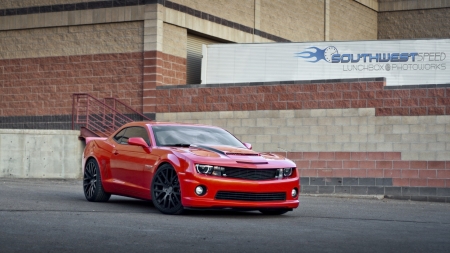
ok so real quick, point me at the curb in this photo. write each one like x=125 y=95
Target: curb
x=350 y=196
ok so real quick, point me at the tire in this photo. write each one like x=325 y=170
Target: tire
x=92 y=183
x=166 y=191
x=279 y=211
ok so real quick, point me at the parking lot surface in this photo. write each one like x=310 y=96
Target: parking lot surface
x=53 y=216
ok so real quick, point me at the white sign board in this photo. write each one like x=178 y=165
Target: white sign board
x=401 y=62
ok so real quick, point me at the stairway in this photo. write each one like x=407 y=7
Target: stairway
x=97 y=118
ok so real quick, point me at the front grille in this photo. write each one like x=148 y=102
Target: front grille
x=250 y=174
x=246 y=196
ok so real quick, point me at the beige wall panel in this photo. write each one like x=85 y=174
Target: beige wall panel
x=174 y=40
x=296 y=20
x=239 y=11
x=373 y=4
x=6 y=4
x=415 y=24
x=350 y=20
x=333 y=130
x=190 y=22
x=73 y=40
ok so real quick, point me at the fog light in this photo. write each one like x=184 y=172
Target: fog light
x=200 y=190
x=294 y=192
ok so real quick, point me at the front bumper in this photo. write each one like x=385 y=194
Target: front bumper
x=190 y=199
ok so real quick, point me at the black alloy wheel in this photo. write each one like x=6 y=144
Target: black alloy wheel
x=273 y=211
x=92 y=183
x=166 y=191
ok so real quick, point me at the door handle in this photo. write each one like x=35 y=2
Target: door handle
x=115 y=152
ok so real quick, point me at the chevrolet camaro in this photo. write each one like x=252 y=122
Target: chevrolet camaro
x=187 y=166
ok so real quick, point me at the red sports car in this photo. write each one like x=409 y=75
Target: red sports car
x=186 y=166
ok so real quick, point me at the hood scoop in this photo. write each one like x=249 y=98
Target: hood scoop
x=243 y=154
x=251 y=162
x=227 y=153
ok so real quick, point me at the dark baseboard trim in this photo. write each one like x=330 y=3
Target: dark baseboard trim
x=372 y=186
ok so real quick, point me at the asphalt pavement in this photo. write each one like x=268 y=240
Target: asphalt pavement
x=53 y=216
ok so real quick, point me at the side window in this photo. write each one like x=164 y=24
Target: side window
x=119 y=135
x=135 y=132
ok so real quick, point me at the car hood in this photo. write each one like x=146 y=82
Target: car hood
x=229 y=154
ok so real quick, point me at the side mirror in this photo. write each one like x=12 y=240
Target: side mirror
x=248 y=145
x=138 y=141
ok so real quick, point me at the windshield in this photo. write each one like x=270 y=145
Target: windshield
x=186 y=135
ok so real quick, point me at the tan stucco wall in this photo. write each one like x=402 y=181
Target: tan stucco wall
x=174 y=40
x=70 y=18
x=350 y=20
x=73 y=40
x=414 y=24
x=239 y=11
x=296 y=20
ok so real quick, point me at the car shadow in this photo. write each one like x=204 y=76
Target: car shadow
x=142 y=206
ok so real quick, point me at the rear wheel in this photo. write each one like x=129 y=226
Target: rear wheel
x=166 y=191
x=92 y=183
x=277 y=211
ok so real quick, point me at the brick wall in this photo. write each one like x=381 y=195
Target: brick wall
x=346 y=136
x=387 y=101
x=39 y=90
x=160 y=69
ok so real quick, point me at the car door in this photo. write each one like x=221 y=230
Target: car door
x=128 y=163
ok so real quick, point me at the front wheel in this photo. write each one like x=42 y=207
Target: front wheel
x=166 y=191
x=92 y=183
x=278 y=211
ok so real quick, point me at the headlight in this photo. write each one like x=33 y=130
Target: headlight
x=285 y=172
x=209 y=169
x=204 y=169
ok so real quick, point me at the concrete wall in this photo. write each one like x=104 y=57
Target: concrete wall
x=40 y=153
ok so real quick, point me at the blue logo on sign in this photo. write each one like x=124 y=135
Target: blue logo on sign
x=319 y=54
x=331 y=54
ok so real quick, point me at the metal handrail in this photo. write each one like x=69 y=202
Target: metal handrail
x=126 y=106
x=97 y=116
